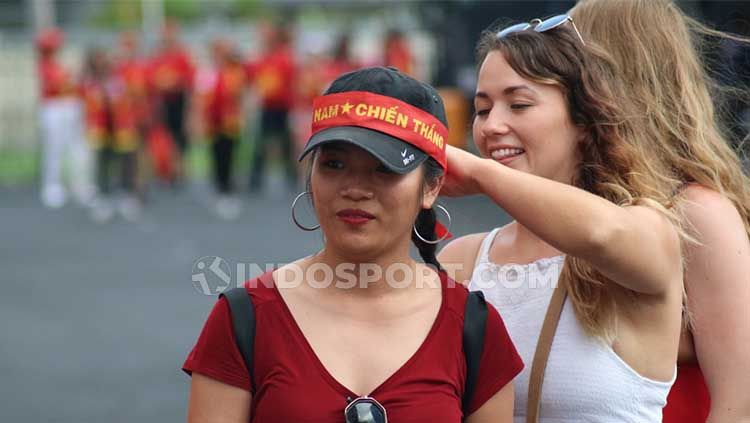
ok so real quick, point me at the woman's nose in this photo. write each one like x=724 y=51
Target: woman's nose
x=495 y=124
x=357 y=187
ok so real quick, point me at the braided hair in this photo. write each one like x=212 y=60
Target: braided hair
x=427 y=220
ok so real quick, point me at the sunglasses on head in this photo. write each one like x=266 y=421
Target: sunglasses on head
x=539 y=25
x=365 y=410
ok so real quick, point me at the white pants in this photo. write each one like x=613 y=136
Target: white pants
x=62 y=135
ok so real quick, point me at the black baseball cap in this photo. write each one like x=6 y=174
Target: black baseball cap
x=396 y=154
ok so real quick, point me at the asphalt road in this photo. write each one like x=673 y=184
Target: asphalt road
x=96 y=320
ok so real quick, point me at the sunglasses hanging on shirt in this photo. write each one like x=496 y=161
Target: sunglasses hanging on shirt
x=365 y=410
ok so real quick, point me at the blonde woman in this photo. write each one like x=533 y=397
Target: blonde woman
x=656 y=47
x=560 y=155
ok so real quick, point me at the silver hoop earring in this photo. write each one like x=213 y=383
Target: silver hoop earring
x=447 y=231
x=294 y=217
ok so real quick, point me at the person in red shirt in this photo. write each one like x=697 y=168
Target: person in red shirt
x=369 y=337
x=273 y=77
x=171 y=77
x=341 y=60
x=397 y=52
x=224 y=121
x=60 y=113
x=112 y=129
x=132 y=70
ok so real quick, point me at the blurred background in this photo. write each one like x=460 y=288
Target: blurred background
x=146 y=163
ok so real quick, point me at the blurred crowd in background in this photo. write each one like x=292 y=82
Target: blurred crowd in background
x=138 y=108
x=136 y=113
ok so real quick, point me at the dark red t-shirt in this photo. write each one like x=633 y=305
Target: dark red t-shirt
x=293 y=386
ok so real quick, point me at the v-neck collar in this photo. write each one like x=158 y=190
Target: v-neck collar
x=323 y=371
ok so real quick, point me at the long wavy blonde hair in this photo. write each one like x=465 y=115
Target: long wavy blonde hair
x=617 y=162
x=657 y=50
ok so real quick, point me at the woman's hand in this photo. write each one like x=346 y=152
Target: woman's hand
x=462 y=170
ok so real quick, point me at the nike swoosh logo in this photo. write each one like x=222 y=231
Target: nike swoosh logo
x=403 y=154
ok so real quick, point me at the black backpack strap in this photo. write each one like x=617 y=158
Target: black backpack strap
x=475 y=323
x=243 y=322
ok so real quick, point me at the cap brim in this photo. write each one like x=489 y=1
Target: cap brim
x=397 y=155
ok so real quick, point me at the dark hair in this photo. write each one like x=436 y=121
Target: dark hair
x=95 y=62
x=426 y=219
x=341 y=49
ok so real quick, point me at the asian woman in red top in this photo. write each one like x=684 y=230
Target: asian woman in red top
x=370 y=334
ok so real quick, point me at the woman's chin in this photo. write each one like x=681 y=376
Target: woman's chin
x=354 y=248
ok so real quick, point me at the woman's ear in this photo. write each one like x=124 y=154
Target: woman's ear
x=431 y=192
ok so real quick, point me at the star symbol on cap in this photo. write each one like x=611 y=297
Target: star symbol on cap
x=346 y=107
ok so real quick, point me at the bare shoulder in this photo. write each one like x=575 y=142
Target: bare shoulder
x=716 y=224
x=462 y=248
x=459 y=256
x=707 y=208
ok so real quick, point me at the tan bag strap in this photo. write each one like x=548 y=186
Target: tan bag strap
x=543 y=347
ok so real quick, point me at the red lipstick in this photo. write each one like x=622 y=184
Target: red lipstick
x=354 y=216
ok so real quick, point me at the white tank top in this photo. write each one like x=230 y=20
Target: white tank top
x=585 y=380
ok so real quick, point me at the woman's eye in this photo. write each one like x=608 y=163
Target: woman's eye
x=483 y=112
x=519 y=106
x=333 y=164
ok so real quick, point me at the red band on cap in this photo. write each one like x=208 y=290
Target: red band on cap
x=385 y=114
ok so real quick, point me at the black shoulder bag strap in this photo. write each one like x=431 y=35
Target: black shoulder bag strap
x=243 y=322
x=475 y=323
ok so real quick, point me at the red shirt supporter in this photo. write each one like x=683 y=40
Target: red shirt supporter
x=110 y=114
x=112 y=105
x=273 y=77
x=172 y=71
x=55 y=80
x=397 y=52
x=134 y=76
x=133 y=73
x=224 y=111
x=98 y=112
x=292 y=385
